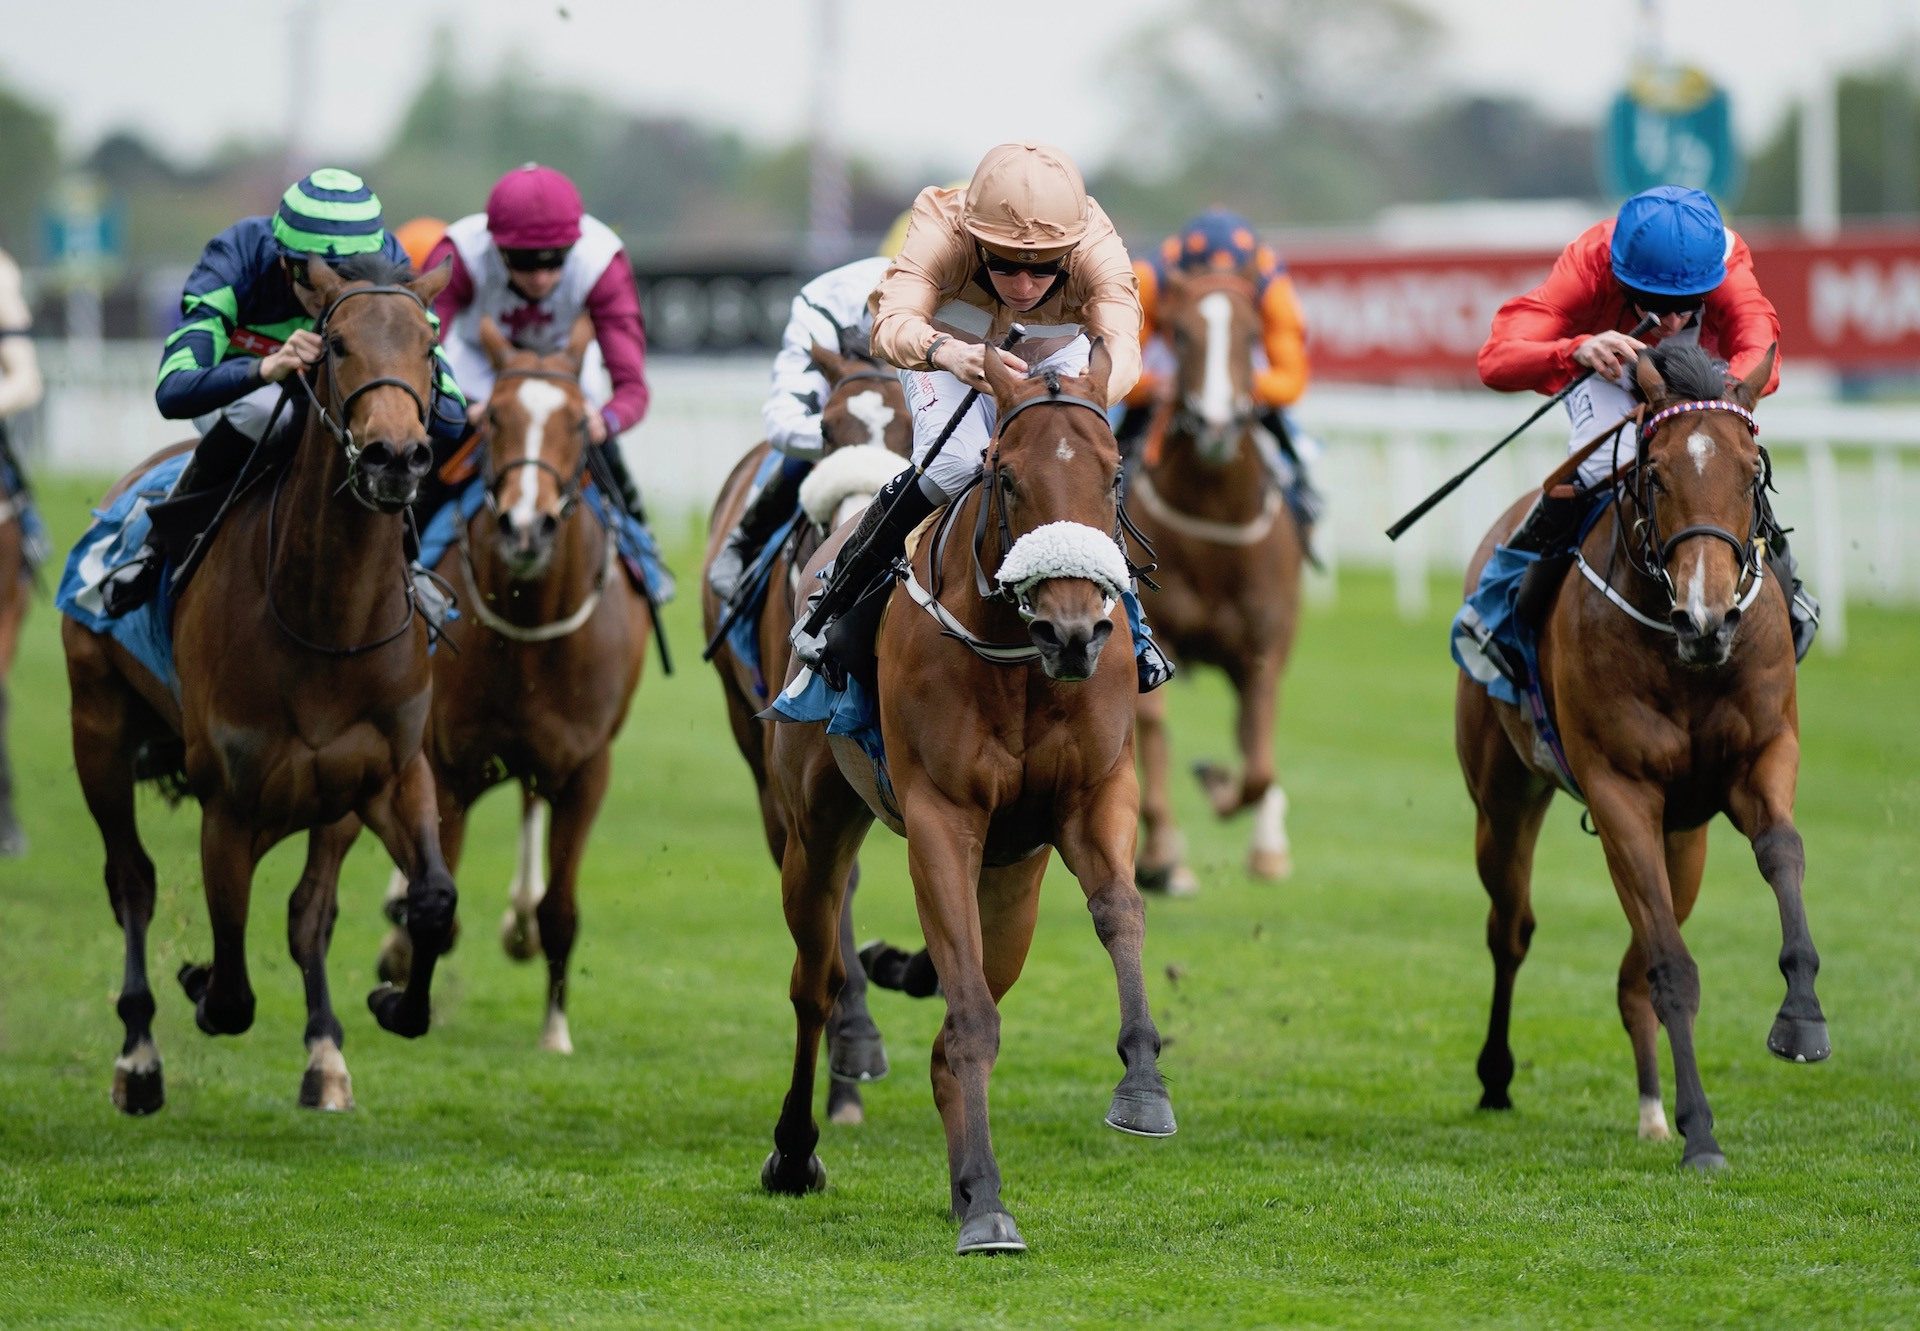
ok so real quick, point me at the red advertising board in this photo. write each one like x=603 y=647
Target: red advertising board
x=1393 y=315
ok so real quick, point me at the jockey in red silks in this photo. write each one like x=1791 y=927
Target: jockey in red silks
x=533 y=262
x=1218 y=241
x=1667 y=255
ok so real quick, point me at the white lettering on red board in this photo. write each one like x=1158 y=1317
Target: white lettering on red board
x=1870 y=299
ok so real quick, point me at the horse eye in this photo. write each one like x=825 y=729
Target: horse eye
x=338 y=346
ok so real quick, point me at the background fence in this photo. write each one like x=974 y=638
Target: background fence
x=1845 y=472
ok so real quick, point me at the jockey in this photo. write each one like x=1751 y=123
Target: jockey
x=1022 y=243
x=833 y=304
x=243 y=333
x=533 y=262
x=1218 y=241
x=1667 y=255
x=20 y=390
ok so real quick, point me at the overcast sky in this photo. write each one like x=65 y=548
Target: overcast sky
x=923 y=86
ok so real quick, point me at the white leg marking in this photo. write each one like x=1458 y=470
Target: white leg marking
x=872 y=411
x=555 y=1038
x=530 y=872
x=540 y=400
x=1270 y=821
x=142 y=1059
x=336 y=1085
x=1216 y=386
x=1700 y=448
x=1653 y=1120
x=397 y=886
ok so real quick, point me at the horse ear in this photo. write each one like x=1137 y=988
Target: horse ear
x=1001 y=380
x=1652 y=386
x=579 y=338
x=431 y=283
x=1099 y=367
x=324 y=283
x=829 y=363
x=494 y=343
x=1747 y=391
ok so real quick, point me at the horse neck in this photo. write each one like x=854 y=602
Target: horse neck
x=336 y=565
x=1233 y=491
x=995 y=619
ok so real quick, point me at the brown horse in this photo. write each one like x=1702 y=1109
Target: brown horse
x=1229 y=570
x=867 y=431
x=1668 y=668
x=991 y=763
x=548 y=652
x=303 y=695
x=16 y=590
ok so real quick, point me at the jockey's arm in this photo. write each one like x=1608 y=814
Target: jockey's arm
x=614 y=304
x=1535 y=334
x=20 y=386
x=1283 y=337
x=195 y=375
x=791 y=413
x=1110 y=302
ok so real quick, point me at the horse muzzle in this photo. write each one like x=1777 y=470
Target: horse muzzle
x=389 y=475
x=526 y=548
x=1070 y=644
x=1704 y=640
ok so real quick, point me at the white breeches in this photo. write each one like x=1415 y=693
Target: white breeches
x=1593 y=408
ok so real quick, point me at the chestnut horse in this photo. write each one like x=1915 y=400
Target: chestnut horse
x=1229 y=568
x=867 y=431
x=992 y=761
x=548 y=652
x=1668 y=670
x=304 y=689
x=16 y=589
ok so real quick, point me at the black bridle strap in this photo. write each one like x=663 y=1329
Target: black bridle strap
x=992 y=498
x=568 y=486
x=1740 y=550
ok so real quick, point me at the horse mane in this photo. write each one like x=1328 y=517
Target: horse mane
x=1689 y=372
x=374 y=267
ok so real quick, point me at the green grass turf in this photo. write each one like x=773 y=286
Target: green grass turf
x=1330 y=1167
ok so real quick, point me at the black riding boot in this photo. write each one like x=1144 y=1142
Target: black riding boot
x=1548 y=530
x=880 y=538
x=771 y=507
x=1802 y=609
x=1301 y=497
x=177 y=521
x=628 y=496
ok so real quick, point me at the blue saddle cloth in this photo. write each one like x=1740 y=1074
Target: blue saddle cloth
x=1488 y=617
x=13 y=487
x=116 y=535
x=853 y=711
x=743 y=638
x=639 y=552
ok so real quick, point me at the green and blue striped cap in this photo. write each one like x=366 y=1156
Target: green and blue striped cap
x=330 y=212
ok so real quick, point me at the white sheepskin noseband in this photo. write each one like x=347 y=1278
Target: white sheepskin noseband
x=1065 y=550
x=847 y=473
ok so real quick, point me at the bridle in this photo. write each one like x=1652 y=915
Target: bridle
x=568 y=486
x=335 y=424
x=335 y=421
x=1186 y=417
x=1648 y=552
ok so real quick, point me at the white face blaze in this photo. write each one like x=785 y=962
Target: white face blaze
x=872 y=411
x=1216 y=384
x=1700 y=448
x=1064 y=451
x=1697 y=586
x=540 y=400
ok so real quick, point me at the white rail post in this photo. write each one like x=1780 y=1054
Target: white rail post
x=1889 y=578
x=1829 y=556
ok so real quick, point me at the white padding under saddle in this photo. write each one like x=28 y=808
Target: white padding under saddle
x=847 y=473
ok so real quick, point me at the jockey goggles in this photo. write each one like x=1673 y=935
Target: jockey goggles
x=1656 y=302
x=534 y=261
x=1005 y=267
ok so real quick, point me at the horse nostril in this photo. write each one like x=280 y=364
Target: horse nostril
x=548 y=525
x=1732 y=620
x=419 y=458
x=1101 y=632
x=1683 y=624
x=1044 y=633
x=378 y=454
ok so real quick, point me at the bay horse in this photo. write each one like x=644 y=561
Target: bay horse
x=546 y=656
x=992 y=762
x=303 y=694
x=1229 y=569
x=866 y=428
x=16 y=590
x=1668 y=671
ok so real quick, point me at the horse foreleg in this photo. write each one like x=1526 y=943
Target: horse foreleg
x=12 y=840
x=1097 y=847
x=1628 y=815
x=1686 y=852
x=855 y=1051
x=1761 y=806
x=1162 y=866
x=311 y=911
x=558 y=919
x=1271 y=854
x=101 y=748
x=396 y=949
x=519 y=929
x=221 y=992
x=406 y=819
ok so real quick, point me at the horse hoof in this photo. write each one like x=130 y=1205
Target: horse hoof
x=194 y=977
x=139 y=1093
x=857 y=1058
x=1142 y=1113
x=1799 y=1041
x=1705 y=1162
x=396 y=958
x=844 y=1106
x=988 y=1234
x=520 y=936
x=13 y=843
x=1154 y=879
x=778 y=1175
x=1492 y=1099
x=320 y=1090
x=390 y=1009
x=1221 y=790
x=1270 y=866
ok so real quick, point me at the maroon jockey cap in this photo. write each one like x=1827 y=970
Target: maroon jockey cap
x=534 y=207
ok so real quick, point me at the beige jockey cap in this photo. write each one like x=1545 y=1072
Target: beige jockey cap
x=1027 y=199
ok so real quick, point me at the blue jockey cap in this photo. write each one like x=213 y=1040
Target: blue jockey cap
x=1670 y=240
x=1216 y=239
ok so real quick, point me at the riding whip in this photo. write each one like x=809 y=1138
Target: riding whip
x=847 y=558
x=1419 y=510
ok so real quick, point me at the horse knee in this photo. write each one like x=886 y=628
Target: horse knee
x=1675 y=987
x=1780 y=852
x=972 y=1033
x=1509 y=938
x=1117 y=913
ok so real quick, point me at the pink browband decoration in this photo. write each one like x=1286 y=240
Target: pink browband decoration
x=1718 y=404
